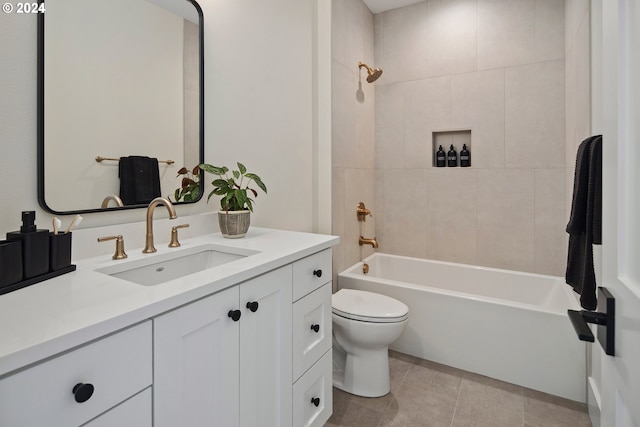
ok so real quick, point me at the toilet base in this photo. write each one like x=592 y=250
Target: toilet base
x=365 y=375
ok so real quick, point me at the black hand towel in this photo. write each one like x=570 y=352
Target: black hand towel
x=139 y=179
x=585 y=222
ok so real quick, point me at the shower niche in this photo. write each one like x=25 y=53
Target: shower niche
x=458 y=139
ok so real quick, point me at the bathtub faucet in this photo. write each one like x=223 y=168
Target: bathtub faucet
x=363 y=241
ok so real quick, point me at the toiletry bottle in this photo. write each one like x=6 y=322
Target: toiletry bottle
x=452 y=157
x=465 y=157
x=441 y=157
x=35 y=246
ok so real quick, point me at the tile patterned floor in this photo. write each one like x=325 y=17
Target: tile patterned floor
x=427 y=394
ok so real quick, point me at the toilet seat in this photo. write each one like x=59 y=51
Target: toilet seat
x=368 y=307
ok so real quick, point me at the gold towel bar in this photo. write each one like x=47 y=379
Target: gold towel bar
x=100 y=158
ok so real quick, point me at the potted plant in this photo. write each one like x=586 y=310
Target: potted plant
x=236 y=204
x=189 y=190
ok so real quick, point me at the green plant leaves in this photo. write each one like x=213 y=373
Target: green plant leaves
x=233 y=188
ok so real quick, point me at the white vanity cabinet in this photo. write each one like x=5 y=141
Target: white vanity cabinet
x=78 y=386
x=312 y=369
x=247 y=344
x=225 y=360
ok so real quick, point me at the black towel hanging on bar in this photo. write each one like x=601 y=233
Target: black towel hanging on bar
x=585 y=222
x=139 y=179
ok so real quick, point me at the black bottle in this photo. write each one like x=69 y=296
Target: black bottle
x=35 y=246
x=465 y=157
x=441 y=157
x=452 y=157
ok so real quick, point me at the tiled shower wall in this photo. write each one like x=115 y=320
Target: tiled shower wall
x=496 y=67
x=353 y=130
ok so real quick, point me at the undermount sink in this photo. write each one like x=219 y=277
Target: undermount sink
x=161 y=268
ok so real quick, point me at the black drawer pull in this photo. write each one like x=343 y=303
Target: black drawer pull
x=315 y=401
x=234 y=315
x=315 y=328
x=317 y=273
x=253 y=306
x=82 y=392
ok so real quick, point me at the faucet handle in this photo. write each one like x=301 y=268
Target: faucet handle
x=120 y=253
x=362 y=212
x=174 y=235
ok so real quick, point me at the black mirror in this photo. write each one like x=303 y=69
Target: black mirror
x=117 y=80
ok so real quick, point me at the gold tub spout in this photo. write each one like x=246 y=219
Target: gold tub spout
x=363 y=241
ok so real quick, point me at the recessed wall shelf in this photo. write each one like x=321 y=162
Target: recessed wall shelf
x=457 y=138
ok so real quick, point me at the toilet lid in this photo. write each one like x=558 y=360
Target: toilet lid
x=368 y=306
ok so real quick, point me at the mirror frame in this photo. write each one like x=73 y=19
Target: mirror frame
x=41 y=122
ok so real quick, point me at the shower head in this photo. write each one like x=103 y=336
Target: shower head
x=373 y=73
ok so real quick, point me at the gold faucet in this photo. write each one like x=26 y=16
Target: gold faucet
x=116 y=199
x=373 y=242
x=149 y=248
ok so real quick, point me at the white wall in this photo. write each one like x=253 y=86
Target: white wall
x=259 y=109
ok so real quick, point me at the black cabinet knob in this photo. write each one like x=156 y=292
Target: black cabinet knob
x=253 y=306
x=317 y=273
x=315 y=328
x=82 y=392
x=235 y=315
x=315 y=401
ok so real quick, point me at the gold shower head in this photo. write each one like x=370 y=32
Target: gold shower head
x=373 y=74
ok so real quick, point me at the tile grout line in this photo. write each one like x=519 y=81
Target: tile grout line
x=453 y=417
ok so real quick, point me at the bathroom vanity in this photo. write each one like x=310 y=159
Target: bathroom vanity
x=243 y=343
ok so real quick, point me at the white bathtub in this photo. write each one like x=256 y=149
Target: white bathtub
x=504 y=324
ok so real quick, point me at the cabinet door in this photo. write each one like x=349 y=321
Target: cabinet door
x=265 y=350
x=196 y=364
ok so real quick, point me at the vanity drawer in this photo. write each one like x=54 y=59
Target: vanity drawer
x=135 y=412
x=310 y=273
x=313 y=395
x=117 y=367
x=311 y=329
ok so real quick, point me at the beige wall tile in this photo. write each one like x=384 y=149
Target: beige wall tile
x=549 y=30
x=451 y=37
x=451 y=215
x=389 y=126
x=534 y=115
x=478 y=104
x=427 y=108
x=405 y=212
x=576 y=12
x=505 y=33
x=404 y=48
x=550 y=221
x=339 y=31
x=505 y=223
x=365 y=127
x=343 y=116
x=338 y=219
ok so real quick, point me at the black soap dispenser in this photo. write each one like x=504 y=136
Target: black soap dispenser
x=452 y=157
x=35 y=246
x=441 y=158
x=465 y=157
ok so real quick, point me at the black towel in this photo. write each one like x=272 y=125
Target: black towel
x=139 y=179
x=585 y=222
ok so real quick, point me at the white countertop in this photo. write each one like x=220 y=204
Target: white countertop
x=50 y=317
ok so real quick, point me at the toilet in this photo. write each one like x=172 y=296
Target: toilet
x=364 y=325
